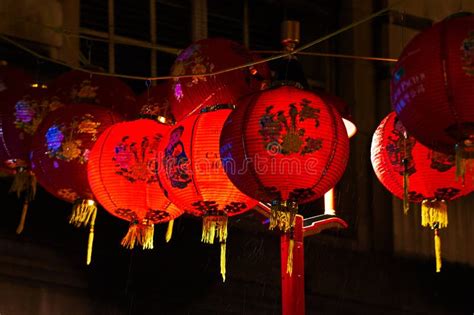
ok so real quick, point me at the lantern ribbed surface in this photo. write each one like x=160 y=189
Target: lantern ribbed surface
x=194 y=178
x=431 y=174
x=190 y=95
x=284 y=144
x=123 y=172
x=76 y=87
x=154 y=102
x=61 y=148
x=432 y=84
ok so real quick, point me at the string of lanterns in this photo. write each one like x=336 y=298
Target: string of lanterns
x=239 y=138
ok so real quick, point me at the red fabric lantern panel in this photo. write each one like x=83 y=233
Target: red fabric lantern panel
x=431 y=174
x=189 y=95
x=153 y=103
x=284 y=146
x=61 y=148
x=194 y=178
x=412 y=172
x=343 y=109
x=123 y=174
x=432 y=84
x=76 y=87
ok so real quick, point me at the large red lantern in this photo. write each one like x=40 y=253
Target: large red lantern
x=194 y=179
x=190 y=95
x=60 y=152
x=412 y=172
x=123 y=174
x=431 y=88
x=76 y=87
x=284 y=146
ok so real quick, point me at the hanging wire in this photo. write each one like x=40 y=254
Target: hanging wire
x=254 y=63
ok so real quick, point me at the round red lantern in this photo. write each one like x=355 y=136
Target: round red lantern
x=284 y=146
x=59 y=155
x=76 y=87
x=154 y=104
x=189 y=95
x=123 y=174
x=412 y=172
x=193 y=176
x=431 y=88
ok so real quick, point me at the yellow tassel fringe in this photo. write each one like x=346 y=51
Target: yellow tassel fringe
x=90 y=242
x=169 y=231
x=223 y=260
x=289 y=260
x=406 y=201
x=283 y=215
x=214 y=227
x=437 y=244
x=434 y=214
x=141 y=234
x=84 y=211
x=21 y=225
x=24 y=182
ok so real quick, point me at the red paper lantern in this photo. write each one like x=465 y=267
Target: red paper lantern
x=77 y=87
x=153 y=103
x=431 y=88
x=190 y=95
x=343 y=109
x=194 y=178
x=412 y=172
x=284 y=146
x=123 y=174
x=60 y=151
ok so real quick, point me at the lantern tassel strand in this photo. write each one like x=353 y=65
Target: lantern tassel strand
x=90 y=242
x=437 y=243
x=24 y=183
x=141 y=234
x=406 y=183
x=460 y=163
x=169 y=231
x=289 y=260
x=84 y=211
x=223 y=260
x=21 y=225
x=282 y=215
x=434 y=214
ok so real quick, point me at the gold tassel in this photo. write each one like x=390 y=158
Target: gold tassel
x=141 y=234
x=434 y=213
x=21 y=225
x=437 y=244
x=406 y=202
x=169 y=231
x=283 y=215
x=83 y=212
x=90 y=241
x=214 y=227
x=289 y=260
x=223 y=260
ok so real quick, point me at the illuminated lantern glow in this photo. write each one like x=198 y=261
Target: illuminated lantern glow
x=123 y=174
x=194 y=178
x=343 y=109
x=414 y=173
x=431 y=88
x=284 y=146
x=59 y=154
x=154 y=104
x=78 y=87
x=189 y=95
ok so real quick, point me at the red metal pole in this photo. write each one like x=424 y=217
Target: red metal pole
x=292 y=286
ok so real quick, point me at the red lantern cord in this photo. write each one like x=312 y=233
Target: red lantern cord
x=123 y=174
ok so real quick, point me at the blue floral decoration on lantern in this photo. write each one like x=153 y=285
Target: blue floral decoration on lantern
x=23 y=111
x=54 y=138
